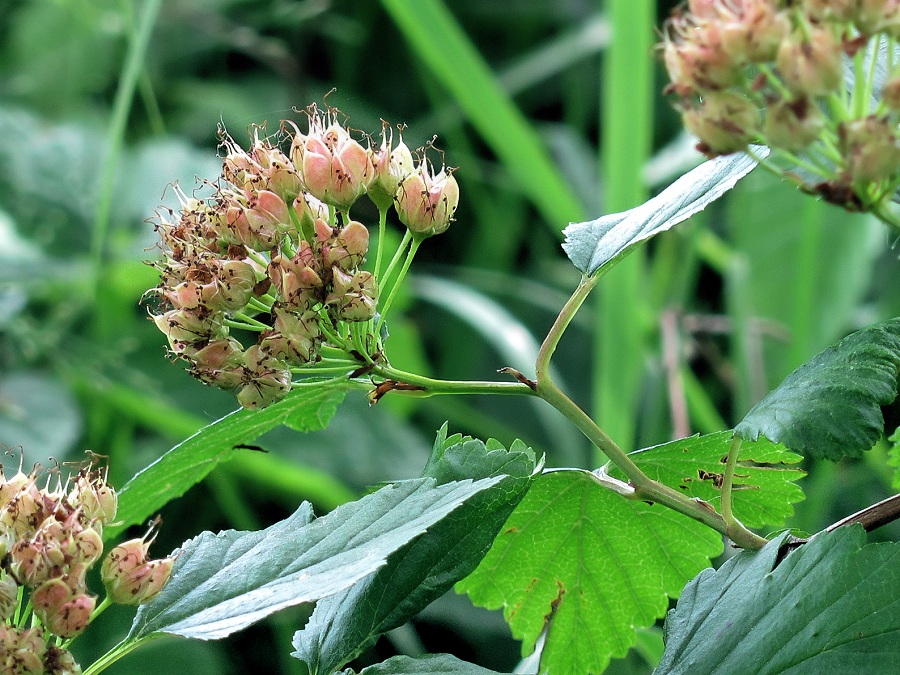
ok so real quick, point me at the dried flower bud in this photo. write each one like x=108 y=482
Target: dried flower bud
x=186 y=328
x=810 y=64
x=793 y=125
x=726 y=122
x=871 y=148
x=220 y=363
x=59 y=661
x=294 y=338
x=266 y=380
x=298 y=279
x=354 y=295
x=130 y=577
x=347 y=248
x=695 y=56
x=426 y=201
x=93 y=497
x=21 y=651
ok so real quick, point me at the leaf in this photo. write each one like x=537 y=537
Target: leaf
x=763 y=491
x=224 y=582
x=304 y=409
x=594 y=244
x=830 y=407
x=831 y=606
x=346 y=624
x=590 y=566
x=430 y=664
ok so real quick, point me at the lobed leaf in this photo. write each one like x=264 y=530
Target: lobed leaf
x=594 y=244
x=831 y=606
x=831 y=406
x=170 y=476
x=589 y=566
x=344 y=625
x=764 y=486
x=224 y=582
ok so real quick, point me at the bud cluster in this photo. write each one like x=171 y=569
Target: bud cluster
x=49 y=540
x=275 y=253
x=800 y=77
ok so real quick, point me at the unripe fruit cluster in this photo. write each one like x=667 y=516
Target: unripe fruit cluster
x=274 y=251
x=799 y=77
x=49 y=540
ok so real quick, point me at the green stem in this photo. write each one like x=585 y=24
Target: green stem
x=554 y=335
x=416 y=242
x=382 y=231
x=134 y=61
x=116 y=653
x=430 y=386
x=728 y=479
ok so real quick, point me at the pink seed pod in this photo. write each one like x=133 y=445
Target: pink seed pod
x=63 y=609
x=426 y=201
x=22 y=650
x=130 y=577
x=391 y=165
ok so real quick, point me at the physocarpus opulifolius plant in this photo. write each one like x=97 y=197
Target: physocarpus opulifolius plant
x=817 y=81
x=265 y=281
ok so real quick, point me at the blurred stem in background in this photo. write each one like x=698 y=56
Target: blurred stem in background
x=626 y=128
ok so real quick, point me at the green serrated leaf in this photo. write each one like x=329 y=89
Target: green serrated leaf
x=831 y=606
x=594 y=244
x=344 y=625
x=224 y=582
x=764 y=487
x=590 y=566
x=430 y=664
x=894 y=457
x=306 y=408
x=830 y=407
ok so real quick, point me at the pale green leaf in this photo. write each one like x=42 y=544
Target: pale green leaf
x=588 y=565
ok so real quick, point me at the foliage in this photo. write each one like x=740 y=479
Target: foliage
x=687 y=335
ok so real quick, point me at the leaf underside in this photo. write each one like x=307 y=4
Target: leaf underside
x=592 y=563
x=831 y=606
x=224 y=582
x=831 y=406
x=430 y=664
x=594 y=244
x=344 y=625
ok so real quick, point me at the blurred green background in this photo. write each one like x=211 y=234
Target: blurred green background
x=552 y=111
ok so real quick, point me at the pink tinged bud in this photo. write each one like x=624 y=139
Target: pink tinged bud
x=838 y=10
x=297 y=279
x=309 y=209
x=890 y=92
x=22 y=651
x=130 y=577
x=391 y=165
x=725 y=122
x=871 y=148
x=811 y=67
x=793 y=125
x=63 y=611
x=696 y=58
x=426 y=201
x=335 y=168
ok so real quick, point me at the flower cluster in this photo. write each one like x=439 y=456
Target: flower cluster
x=817 y=81
x=275 y=254
x=49 y=540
